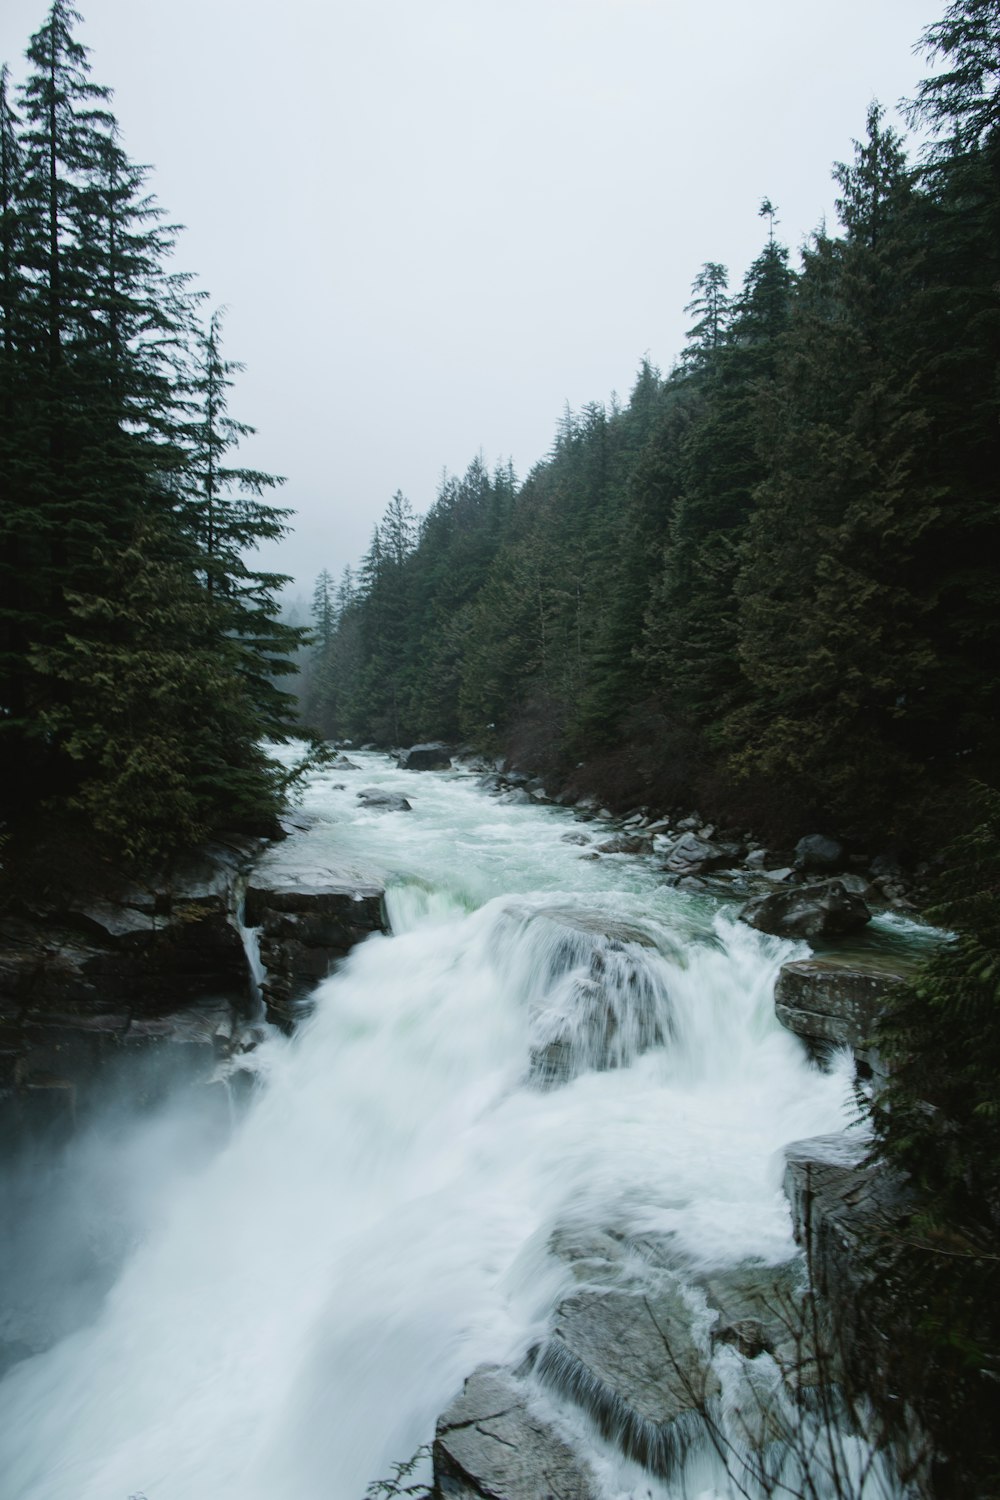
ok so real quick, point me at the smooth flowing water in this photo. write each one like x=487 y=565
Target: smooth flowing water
x=296 y=1308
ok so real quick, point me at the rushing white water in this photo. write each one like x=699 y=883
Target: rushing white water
x=301 y=1306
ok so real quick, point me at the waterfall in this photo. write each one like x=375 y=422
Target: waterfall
x=545 y=1044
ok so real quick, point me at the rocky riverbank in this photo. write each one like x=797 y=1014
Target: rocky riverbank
x=103 y=967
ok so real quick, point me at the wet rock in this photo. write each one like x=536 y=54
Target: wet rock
x=598 y=997
x=517 y=796
x=623 y=843
x=821 y=911
x=778 y=876
x=692 y=855
x=341 y=763
x=490 y=1445
x=817 y=852
x=631 y=1362
x=433 y=756
x=829 y=1002
x=576 y=838
x=380 y=801
x=307 y=921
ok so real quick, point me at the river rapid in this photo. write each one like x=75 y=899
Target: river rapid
x=290 y=1310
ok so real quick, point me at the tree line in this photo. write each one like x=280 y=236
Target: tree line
x=138 y=647
x=767 y=583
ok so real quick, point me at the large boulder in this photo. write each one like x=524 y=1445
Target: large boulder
x=631 y=1361
x=381 y=801
x=490 y=1445
x=830 y=1002
x=817 y=852
x=433 y=756
x=691 y=855
x=815 y=912
x=307 y=920
x=596 y=989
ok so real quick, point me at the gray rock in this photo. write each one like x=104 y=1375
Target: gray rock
x=433 y=756
x=691 y=855
x=600 y=998
x=819 y=911
x=307 y=921
x=630 y=1361
x=779 y=876
x=756 y=859
x=518 y=796
x=374 y=797
x=817 y=852
x=623 y=843
x=576 y=838
x=341 y=763
x=829 y=1002
x=490 y=1445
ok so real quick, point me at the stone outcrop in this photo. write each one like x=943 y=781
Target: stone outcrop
x=490 y=1445
x=307 y=921
x=113 y=970
x=832 y=1002
x=433 y=756
x=600 y=1001
x=816 y=912
x=630 y=1361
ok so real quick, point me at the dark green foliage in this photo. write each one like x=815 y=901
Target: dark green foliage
x=776 y=567
x=124 y=584
x=941 y=1115
x=939 y=1121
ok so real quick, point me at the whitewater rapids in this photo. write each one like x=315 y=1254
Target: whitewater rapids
x=292 y=1310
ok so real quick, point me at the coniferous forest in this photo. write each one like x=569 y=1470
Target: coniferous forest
x=766 y=585
x=138 y=647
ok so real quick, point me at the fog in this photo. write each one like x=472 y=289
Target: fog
x=434 y=225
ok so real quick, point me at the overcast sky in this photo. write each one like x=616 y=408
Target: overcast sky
x=434 y=222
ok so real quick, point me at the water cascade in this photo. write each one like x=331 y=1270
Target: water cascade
x=547 y=1048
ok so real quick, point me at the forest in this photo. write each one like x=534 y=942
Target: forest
x=140 y=652
x=766 y=585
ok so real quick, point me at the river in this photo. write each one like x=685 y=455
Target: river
x=292 y=1307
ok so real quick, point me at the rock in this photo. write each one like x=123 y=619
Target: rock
x=777 y=877
x=819 y=911
x=518 y=796
x=307 y=921
x=688 y=825
x=691 y=855
x=341 y=763
x=374 y=797
x=631 y=1362
x=598 y=997
x=691 y=883
x=622 y=843
x=490 y=1445
x=576 y=838
x=756 y=859
x=828 y=1002
x=841 y=1207
x=434 y=756
x=817 y=852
